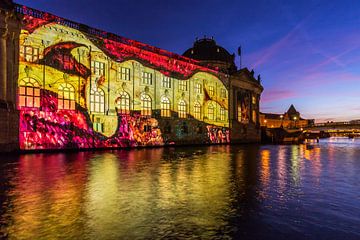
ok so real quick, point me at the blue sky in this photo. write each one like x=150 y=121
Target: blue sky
x=307 y=52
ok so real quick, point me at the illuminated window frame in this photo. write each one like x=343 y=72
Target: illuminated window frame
x=98 y=68
x=254 y=116
x=98 y=126
x=254 y=100
x=182 y=109
x=211 y=112
x=29 y=53
x=222 y=114
x=123 y=103
x=97 y=100
x=146 y=103
x=29 y=93
x=183 y=85
x=66 y=97
x=124 y=74
x=146 y=78
x=211 y=90
x=166 y=82
x=239 y=116
x=197 y=110
x=165 y=107
x=197 y=88
x=223 y=93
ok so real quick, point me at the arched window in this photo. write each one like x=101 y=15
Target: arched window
x=222 y=114
x=66 y=97
x=123 y=103
x=197 y=110
x=182 y=109
x=165 y=107
x=97 y=100
x=29 y=93
x=145 y=105
x=211 y=112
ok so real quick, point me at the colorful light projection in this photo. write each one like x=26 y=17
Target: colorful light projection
x=74 y=89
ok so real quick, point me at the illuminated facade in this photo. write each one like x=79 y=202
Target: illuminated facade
x=80 y=87
x=290 y=119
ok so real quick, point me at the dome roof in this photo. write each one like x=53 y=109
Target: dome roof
x=206 y=50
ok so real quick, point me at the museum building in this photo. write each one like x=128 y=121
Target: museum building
x=65 y=85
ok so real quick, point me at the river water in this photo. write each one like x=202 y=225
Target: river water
x=216 y=192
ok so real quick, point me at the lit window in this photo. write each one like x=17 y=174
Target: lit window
x=166 y=82
x=182 y=109
x=124 y=74
x=29 y=93
x=239 y=118
x=223 y=93
x=197 y=88
x=147 y=78
x=183 y=85
x=254 y=100
x=98 y=126
x=145 y=105
x=165 y=107
x=254 y=116
x=197 y=110
x=29 y=54
x=66 y=97
x=123 y=103
x=211 y=90
x=211 y=112
x=222 y=114
x=97 y=100
x=98 y=68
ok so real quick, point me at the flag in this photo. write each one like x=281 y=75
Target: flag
x=239 y=51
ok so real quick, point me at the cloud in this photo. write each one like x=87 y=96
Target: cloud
x=273 y=95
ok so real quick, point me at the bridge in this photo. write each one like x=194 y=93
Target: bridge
x=350 y=128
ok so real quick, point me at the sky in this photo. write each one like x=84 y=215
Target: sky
x=307 y=51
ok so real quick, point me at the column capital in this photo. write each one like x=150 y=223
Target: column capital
x=3 y=32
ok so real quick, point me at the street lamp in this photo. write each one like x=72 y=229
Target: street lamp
x=282 y=119
x=295 y=121
x=265 y=121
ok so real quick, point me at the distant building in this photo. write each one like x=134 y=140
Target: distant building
x=290 y=119
x=67 y=85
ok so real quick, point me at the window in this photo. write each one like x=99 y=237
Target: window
x=145 y=105
x=165 y=107
x=123 y=103
x=197 y=110
x=98 y=126
x=29 y=93
x=197 y=88
x=146 y=78
x=29 y=54
x=97 y=100
x=239 y=118
x=66 y=97
x=183 y=85
x=211 y=90
x=98 y=68
x=124 y=74
x=166 y=82
x=211 y=112
x=254 y=116
x=182 y=109
x=222 y=114
x=223 y=93
x=254 y=100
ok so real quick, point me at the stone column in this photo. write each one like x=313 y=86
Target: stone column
x=3 y=67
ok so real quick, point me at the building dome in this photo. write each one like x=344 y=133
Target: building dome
x=206 y=50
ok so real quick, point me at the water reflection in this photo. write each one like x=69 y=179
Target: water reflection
x=199 y=193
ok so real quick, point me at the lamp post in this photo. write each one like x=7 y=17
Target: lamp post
x=295 y=122
x=265 y=121
x=282 y=119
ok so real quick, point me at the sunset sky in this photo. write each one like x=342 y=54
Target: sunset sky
x=307 y=52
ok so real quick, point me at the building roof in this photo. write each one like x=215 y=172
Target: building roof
x=206 y=49
x=292 y=110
